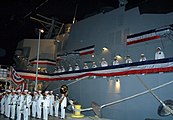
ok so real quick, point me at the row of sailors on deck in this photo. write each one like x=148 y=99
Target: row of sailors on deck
x=158 y=55
x=20 y=105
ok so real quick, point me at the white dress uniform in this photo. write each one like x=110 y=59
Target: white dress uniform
x=63 y=105
x=3 y=104
x=20 y=99
x=104 y=63
x=159 y=55
x=85 y=66
x=30 y=102
x=70 y=68
x=39 y=101
x=46 y=103
x=56 y=105
x=8 y=105
x=13 y=105
x=26 y=107
x=51 y=104
x=34 y=104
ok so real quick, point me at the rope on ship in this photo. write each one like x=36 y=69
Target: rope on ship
x=130 y=97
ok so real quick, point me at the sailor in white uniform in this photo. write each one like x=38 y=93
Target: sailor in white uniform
x=94 y=65
x=13 y=104
x=104 y=63
x=70 y=68
x=85 y=66
x=115 y=62
x=143 y=58
x=20 y=99
x=26 y=105
x=3 y=103
x=8 y=103
x=63 y=102
x=62 y=69
x=39 y=101
x=159 y=54
x=30 y=102
x=56 y=105
x=76 y=67
x=128 y=59
x=46 y=102
x=51 y=103
x=34 y=104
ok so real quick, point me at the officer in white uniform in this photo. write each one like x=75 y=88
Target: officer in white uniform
x=3 y=103
x=34 y=104
x=51 y=103
x=39 y=101
x=13 y=104
x=56 y=105
x=63 y=102
x=104 y=63
x=159 y=54
x=46 y=102
x=20 y=100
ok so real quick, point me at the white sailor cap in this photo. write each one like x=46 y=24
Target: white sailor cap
x=46 y=91
x=29 y=92
x=159 y=48
x=18 y=90
x=51 y=91
x=57 y=94
x=8 y=90
x=25 y=90
x=142 y=54
x=35 y=92
x=39 y=91
x=14 y=91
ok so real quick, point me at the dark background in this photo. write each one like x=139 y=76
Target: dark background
x=16 y=24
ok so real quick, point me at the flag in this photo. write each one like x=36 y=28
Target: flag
x=15 y=77
x=21 y=87
x=86 y=50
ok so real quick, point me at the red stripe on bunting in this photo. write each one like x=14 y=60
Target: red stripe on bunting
x=143 y=40
x=129 y=72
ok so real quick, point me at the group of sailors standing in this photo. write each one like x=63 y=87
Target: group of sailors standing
x=158 y=55
x=21 y=105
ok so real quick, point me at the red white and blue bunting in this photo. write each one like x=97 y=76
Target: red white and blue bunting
x=148 y=35
x=145 y=67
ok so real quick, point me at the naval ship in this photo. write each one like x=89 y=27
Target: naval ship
x=127 y=91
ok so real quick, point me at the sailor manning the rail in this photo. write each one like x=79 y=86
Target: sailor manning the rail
x=104 y=63
x=159 y=54
x=128 y=59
